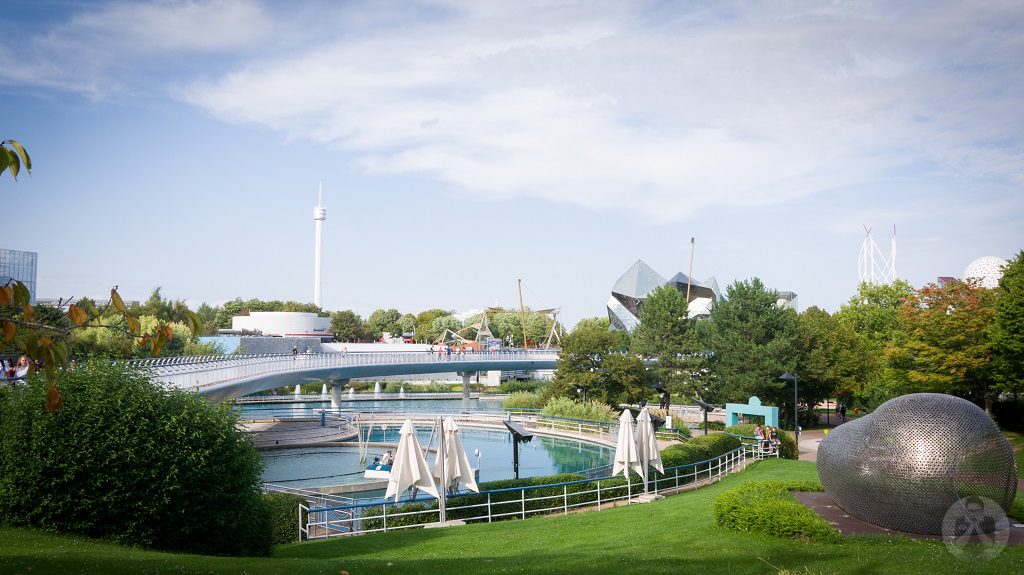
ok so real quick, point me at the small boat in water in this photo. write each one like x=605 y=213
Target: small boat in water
x=377 y=471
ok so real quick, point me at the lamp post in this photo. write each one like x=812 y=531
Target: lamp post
x=581 y=390
x=796 y=409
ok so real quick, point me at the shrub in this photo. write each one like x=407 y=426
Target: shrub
x=714 y=425
x=787 y=450
x=373 y=516
x=514 y=385
x=283 y=509
x=126 y=460
x=684 y=454
x=718 y=443
x=769 y=507
x=591 y=410
x=523 y=400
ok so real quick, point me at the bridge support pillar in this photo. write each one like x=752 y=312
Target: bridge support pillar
x=466 y=377
x=336 y=387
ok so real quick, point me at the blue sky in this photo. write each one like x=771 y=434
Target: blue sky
x=463 y=145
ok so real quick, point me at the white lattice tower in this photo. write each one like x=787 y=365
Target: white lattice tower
x=874 y=266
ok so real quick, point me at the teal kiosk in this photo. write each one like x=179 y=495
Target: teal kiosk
x=752 y=407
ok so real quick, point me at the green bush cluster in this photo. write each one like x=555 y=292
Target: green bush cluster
x=787 y=450
x=515 y=385
x=523 y=400
x=129 y=461
x=283 y=510
x=697 y=449
x=419 y=514
x=769 y=507
x=590 y=410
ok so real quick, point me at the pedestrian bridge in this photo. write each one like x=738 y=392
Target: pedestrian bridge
x=223 y=376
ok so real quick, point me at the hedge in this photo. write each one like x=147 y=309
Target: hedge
x=698 y=449
x=507 y=503
x=131 y=462
x=787 y=450
x=769 y=507
x=284 y=516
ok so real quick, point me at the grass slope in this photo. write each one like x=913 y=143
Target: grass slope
x=675 y=535
x=1017 y=441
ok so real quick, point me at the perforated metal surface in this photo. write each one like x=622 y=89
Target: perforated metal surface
x=904 y=465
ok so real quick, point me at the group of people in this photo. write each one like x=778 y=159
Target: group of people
x=767 y=438
x=15 y=369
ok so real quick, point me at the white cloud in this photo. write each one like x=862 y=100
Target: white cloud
x=660 y=111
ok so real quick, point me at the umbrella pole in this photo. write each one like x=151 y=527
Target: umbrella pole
x=629 y=487
x=444 y=475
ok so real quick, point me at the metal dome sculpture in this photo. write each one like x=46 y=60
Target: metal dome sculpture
x=903 y=466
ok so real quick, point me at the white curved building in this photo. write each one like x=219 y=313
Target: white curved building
x=283 y=324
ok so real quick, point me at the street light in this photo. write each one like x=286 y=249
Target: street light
x=581 y=390
x=796 y=409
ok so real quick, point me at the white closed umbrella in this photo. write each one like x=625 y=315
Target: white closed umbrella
x=452 y=466
x=647 y=445
x=626 y=455
x=409 y=468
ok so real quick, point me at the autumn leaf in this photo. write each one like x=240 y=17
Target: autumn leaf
x=115 y=298
x=9 y=331
x=28 y=312
x=6 y=295
x=53 y=399
x=77 y=315
x=133 y=324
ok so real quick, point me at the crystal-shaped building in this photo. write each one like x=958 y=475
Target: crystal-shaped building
x=633 y=287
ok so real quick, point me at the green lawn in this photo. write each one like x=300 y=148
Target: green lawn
x=1017 y=441
x=675 y=535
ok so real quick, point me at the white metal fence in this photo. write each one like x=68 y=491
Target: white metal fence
x=197 y=372
x=517 y=502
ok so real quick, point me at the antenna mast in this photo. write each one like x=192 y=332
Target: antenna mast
x=319 y=215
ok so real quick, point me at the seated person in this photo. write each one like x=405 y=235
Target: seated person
x=387 y=459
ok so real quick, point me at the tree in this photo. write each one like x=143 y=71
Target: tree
x=407 y=323
x=751 y=342
x=625 y=379
x=581 y=362
x=1008 y=328
x=445 y=322
x=948 y=340
x=45 y=339
x=424 y=325
x=873 y=315
x=381 y=321
x=347 y=326
x=666 y=333
x=830 y=358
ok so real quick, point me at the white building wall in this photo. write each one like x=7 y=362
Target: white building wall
x=283 y=323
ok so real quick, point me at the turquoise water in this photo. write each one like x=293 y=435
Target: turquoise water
x=324 y=466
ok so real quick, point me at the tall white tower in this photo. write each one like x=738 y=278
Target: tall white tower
x=319 y=215
x=873 y=266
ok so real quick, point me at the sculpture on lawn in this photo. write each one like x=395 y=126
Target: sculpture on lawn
x=904 y=465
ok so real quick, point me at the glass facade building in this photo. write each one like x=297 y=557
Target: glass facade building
x=19 y=265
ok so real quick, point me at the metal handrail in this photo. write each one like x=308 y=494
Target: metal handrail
x=707 y=470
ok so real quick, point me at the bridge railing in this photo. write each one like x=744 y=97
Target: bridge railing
x=196 y=372
x=518 y=502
